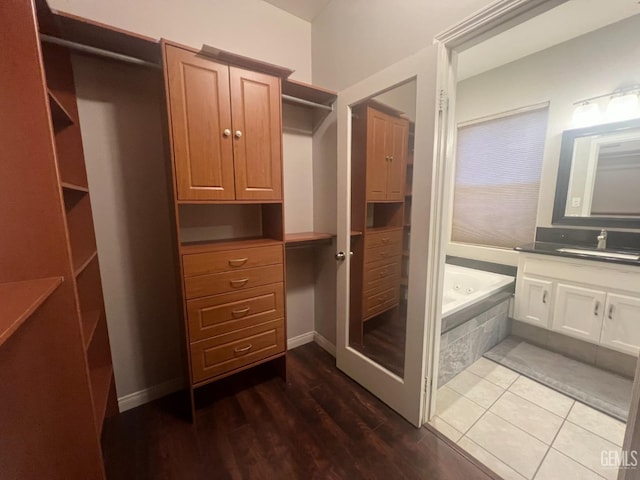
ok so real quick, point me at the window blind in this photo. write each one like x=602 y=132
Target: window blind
x=497 y=179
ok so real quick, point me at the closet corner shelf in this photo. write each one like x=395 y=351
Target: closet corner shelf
x=19 y=300
x=100 y=386
x=82 y=267
x=60 y=116
x=304 y=238
x=74 y=187
x=90 y=322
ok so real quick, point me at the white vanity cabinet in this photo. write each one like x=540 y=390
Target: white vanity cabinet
x=597 y=302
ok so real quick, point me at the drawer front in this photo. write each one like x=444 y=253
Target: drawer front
x=377 y=285
x=230 y=260
x=381 y=239
x=380 y=302
x=384 y=271
x=204 y=285
x=380 y=254
x=219 y=314
x=213 y=357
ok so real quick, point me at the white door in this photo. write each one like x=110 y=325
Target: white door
x=533 y=301
x=385 y=352
x=578 y=312
x=620 y=328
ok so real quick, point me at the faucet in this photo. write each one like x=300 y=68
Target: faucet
x=602 y=240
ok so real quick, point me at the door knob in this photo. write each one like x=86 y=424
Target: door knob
x=226 y=132
x=340 y=256
x=238 y=133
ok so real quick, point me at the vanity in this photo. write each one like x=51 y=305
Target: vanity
x=579 y=279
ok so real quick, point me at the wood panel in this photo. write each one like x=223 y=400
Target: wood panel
x=398 y=138
x=200 y=111
x=377 y=156
x=216 y=283
x=230 y=260
x=257 y=142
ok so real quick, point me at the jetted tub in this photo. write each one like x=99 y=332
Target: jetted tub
x=465 y=286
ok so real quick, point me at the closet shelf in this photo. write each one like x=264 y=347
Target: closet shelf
x=100 y=386
x=82 y=267
x=382 y=229
x=355 y=233
x=308 y=93
x=19 y=300
x=304 y=238
x=60 y=116
x=74 y=187
x=217 y=245
x=90 y=322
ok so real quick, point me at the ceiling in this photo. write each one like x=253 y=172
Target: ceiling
x=560 y=24
x=304 y=9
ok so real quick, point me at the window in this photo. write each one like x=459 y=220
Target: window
x=497 y=179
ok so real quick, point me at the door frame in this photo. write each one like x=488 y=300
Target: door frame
x=405 y=395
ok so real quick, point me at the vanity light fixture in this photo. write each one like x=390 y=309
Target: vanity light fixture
x=586 y=114
x=623 y=105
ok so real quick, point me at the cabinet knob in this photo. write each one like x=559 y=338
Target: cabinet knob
x=226 y=132
x=544 y=296
x=596 y=309
x=610 y=314
x=238 y=133
x=391 y=158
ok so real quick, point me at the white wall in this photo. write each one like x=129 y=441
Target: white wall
x=132 y=227
x=595 y=63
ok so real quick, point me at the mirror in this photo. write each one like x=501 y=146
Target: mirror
x=381 y=176
x=599 y=175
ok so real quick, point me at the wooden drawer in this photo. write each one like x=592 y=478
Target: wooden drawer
x=377 y=271
x=380 y=239
x=380 y=302
x=383 y=253
x=377 y=285
x=204 y=285
x=219 y=314
x=215 y=356
x=230 y=260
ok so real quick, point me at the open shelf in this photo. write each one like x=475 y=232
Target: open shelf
x=83 y=266
x=308 y=92
x=74 y=187
x=60 y=116
x=89 y=324
x=304 y=238
x=19 y=300
x=100 y=387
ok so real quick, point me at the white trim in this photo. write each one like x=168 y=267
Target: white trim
x=325 y=344
x=300 y=340
x=146 y=395
x=507 y=113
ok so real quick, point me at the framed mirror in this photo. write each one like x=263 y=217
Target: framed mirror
x=599 y=176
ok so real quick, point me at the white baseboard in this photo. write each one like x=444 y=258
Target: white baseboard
x=324 y=343
x=300 y=340
x=147 y=395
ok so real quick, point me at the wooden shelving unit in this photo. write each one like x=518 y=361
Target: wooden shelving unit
x=89 y=324
x=101 y=379
x=18 y=301
x=307 y=239
x=60 y=116
x=318 y=99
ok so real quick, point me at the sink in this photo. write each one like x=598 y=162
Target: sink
x=601 y=253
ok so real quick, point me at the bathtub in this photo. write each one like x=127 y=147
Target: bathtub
x=465 y=286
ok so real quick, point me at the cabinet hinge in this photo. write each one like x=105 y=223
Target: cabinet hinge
x=443 y=101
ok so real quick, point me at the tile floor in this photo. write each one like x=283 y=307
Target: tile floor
x=524 y=430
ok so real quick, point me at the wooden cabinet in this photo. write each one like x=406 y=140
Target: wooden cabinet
x=621 y=323
x=592 y=301
x=578 y=312
x=533 y=302
x=386 y=154
x=226 y=129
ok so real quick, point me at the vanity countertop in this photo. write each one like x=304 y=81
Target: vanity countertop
x=547 y=248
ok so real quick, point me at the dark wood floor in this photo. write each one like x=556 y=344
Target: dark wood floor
x=319 y=425
x=383 y=341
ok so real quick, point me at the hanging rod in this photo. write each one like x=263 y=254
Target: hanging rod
x=301 y=101
x=97 y=51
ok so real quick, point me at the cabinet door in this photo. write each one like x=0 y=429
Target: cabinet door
x=377 y=156
x=397 y=144
x=200 y=112
x=257 y=135
x=578 y=312
x=533 y=301
x=621 y=327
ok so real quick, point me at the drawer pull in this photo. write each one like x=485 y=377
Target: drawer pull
x=596 y=310
x=385 y=240
x=239 y=283
x=241 y=312
x=544 y=296
x=243 y=349
x=238 y=262
x=383 y=273
x=610 y=314
x=383 y=254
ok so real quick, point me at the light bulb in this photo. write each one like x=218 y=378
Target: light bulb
x=623 y=107
x=586 y=115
